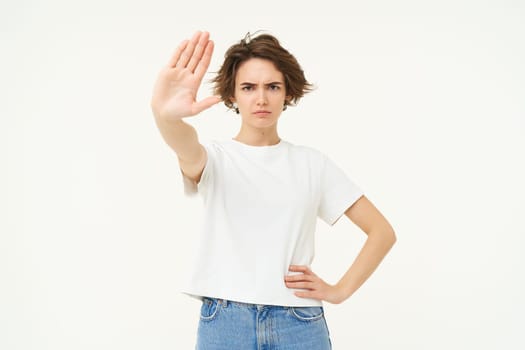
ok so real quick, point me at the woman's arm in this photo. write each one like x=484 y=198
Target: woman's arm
x=174 y=98
x=381 y=238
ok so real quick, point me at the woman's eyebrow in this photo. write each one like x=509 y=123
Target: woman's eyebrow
x=271 y=83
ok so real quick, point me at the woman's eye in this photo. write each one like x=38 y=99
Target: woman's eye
x=274 y=87
x=246 y=88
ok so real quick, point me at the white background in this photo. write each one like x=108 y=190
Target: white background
x=421 y=103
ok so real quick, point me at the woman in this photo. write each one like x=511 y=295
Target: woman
x=262 y=197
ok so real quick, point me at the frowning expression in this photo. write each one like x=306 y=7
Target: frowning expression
x=260 y=92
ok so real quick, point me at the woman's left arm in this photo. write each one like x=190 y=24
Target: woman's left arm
x=381 y=238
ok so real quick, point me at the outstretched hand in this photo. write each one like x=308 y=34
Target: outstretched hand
x=312 y=286
x=175 y=92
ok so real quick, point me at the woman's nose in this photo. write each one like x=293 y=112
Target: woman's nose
x=261 y=97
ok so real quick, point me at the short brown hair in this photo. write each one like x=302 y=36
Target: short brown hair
x=267 y=47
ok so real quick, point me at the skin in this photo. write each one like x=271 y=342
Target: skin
x=260 y=96
x=380 y=238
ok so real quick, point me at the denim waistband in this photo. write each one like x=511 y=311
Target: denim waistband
x=226 y=302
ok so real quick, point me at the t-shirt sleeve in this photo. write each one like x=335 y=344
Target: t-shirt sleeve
x=191 y=188
x=338 y=192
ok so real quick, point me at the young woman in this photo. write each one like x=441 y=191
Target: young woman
x=262 y=196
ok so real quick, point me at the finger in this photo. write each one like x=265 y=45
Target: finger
x=205 y=104
x=188 y=51
x=199 y=50
x=300 y=268
x=301 y=277
x=307 y=294
x=301 y=285
x=204 y=62
x=176 y=55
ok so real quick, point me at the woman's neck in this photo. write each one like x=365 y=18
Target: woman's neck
x=258 y=137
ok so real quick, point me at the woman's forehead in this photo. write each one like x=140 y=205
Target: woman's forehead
x=258 y=69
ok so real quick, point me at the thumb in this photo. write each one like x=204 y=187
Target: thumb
x=205 y=104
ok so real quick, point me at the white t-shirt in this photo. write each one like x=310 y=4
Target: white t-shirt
x=261 y=205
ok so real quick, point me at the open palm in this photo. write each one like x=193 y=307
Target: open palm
x=175 y=92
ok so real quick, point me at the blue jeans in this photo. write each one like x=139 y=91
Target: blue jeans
x=230 y=325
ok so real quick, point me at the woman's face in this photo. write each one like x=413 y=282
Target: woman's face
x=259 y=92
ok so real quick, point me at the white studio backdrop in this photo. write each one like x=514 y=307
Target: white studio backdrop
x=421 y=103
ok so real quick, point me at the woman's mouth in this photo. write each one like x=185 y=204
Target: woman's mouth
x=262 y=113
